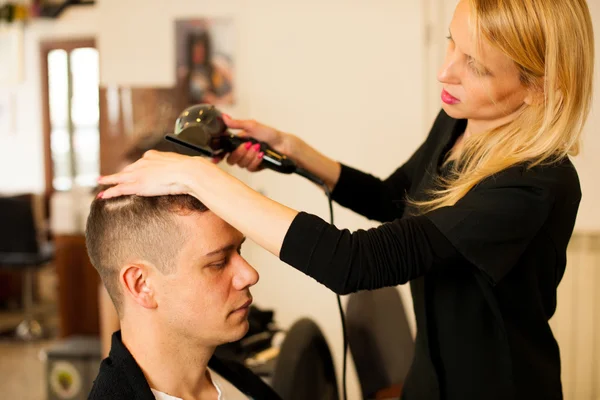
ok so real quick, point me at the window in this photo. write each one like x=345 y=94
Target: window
x=73 y=117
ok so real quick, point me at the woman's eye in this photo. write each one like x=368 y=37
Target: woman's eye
x=475 y=68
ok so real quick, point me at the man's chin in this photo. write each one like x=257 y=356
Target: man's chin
x=239 y=331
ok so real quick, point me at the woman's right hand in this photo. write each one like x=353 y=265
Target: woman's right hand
x=249 y=156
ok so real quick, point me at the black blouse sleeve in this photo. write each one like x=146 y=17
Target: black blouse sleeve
x=490 y=227
x=373 y=198
x=346 y=262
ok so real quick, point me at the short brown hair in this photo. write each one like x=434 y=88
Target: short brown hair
x=135 y=228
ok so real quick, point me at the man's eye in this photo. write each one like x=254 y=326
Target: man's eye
x=218 y=265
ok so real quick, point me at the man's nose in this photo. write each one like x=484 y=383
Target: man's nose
x=245 y=275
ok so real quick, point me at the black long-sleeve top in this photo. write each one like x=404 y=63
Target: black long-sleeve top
x=483 y=272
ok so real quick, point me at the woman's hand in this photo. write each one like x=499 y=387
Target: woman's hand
x=158 y=174
x=249 y=156
x=155 y=174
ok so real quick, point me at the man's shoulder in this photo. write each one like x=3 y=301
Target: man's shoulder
x=119 y=376
x=111 y=383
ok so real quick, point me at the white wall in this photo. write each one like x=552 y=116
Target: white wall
x=341 y=74
x=588 y=162
x=21 y=151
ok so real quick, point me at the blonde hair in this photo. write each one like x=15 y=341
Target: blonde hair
x=552 y=45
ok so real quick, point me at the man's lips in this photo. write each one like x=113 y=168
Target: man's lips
x=244 y=307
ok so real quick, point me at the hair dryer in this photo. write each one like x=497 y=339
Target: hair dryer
x=201 y=128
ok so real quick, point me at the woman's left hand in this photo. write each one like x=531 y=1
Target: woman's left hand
x=155 y=174
x=160 y=174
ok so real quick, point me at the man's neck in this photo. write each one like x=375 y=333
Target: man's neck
x=171 y=365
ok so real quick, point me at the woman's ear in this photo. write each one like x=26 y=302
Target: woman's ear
x=137 y=285
x=535 y=93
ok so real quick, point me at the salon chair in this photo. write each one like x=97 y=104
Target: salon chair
x=20 y=249
x=380 y=340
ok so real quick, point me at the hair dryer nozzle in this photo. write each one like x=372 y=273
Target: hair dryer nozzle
x=201 y=128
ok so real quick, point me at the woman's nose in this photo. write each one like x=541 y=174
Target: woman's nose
x=448 y=73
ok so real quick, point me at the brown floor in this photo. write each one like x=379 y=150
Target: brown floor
x=22 y=365
x=22 y=371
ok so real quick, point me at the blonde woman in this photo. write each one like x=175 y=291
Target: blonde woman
x=478 y=219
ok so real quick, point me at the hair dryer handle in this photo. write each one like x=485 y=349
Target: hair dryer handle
x=272 y=159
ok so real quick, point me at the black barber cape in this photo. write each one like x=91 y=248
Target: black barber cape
x=120 y=377
x=483 y=273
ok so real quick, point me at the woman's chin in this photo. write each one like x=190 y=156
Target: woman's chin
x=453 y=111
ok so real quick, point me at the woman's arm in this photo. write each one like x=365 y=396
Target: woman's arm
x=256 y=216
x=381 y=200
x=346 y=262
x=315 y=162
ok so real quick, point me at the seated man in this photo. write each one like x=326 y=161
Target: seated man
x=174 y=271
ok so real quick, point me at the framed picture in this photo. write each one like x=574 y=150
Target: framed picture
x=204 y=51
x=11 y=53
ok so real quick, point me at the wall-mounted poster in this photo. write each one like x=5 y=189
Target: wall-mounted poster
x=205 y=60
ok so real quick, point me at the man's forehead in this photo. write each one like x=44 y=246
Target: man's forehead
x=208 y=232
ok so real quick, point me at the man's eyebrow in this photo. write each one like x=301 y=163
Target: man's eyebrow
x=225 y=249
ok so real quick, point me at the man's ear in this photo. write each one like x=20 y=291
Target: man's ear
x=138 y=285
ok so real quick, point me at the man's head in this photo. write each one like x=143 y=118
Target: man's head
x=170 y=260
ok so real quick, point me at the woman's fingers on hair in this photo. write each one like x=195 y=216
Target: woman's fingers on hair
x=114 y=179
x=122 y=189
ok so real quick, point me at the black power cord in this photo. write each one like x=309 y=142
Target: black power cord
x=319 y=182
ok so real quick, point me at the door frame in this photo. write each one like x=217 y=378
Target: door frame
x=45 y=47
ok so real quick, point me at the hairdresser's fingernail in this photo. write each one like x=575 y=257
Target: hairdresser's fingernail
x=261 y=155
x=99 y=178
x=256 y=147
x=247 y=145
x=99 y=196
x=226 y=115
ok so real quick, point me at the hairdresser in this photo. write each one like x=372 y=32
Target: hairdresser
x=478 y=219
